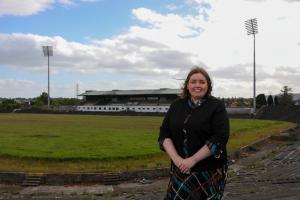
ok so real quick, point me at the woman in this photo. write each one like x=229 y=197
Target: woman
x=194 y=133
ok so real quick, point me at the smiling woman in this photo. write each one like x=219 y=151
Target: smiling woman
x=194 y=134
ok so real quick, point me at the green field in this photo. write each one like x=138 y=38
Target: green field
x=45 y=142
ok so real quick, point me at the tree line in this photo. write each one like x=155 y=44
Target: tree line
x=285 y=98
x=9 y=105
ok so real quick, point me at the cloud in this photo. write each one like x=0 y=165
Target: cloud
x=91 y=1
x=172 y=7
x=170 y=27
x=164 y=46
x=31 y=7
x=123 y=54
x=66 y=2
x=287 y=76
x=240 y=77
x=13 y=88
x=292 y=1
x=241 y=72
x=23 y=8
x=19 y=88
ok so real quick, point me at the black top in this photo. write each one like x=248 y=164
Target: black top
x=207 y=124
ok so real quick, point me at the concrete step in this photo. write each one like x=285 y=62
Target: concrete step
x=32 y=180
x=112 y=179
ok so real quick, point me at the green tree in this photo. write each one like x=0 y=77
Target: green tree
x=65 y=102
x=43 y=97
x=38 y=103
x=240 y=102
x=276 y=102
x=270 y=100
x=261 y=100
x=70 y=101
x=286 y=97
x=55 y=102
x=9 y=105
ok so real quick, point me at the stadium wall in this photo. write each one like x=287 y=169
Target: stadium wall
x=139 y=109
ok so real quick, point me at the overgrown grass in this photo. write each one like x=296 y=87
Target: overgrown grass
x=73 y=137
x=247 y=131
x=85 y=143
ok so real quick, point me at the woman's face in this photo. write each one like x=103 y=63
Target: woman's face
x=197 y=86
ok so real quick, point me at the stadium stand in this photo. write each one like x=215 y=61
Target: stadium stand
x=139 y=101
x=147 y=101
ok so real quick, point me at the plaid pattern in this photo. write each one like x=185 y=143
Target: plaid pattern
x=215 y=149
x=196 y=185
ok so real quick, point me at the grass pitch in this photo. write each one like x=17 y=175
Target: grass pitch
x=73 y=137
x=89 y=143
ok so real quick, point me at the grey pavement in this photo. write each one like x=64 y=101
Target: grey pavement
x=270 y=172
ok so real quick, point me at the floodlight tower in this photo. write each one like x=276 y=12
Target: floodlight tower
x=252 y=29
x=77 y=90
x=48 y=51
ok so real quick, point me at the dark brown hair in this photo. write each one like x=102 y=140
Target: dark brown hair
x=185 y=92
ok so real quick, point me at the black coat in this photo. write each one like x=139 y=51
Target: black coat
x=207 y=124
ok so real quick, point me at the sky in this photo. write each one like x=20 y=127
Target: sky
x=147 y=44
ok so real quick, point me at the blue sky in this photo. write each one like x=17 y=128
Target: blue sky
x=76 y=22
x=143 y=44
x=81 y=21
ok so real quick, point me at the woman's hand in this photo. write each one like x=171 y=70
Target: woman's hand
x=177 y=161
x=182 y=165
x=186 y=165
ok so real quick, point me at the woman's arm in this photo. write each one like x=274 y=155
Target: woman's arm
x=171 y=151
x=165 y=141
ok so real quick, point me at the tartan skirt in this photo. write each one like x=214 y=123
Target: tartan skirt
x=202 y=185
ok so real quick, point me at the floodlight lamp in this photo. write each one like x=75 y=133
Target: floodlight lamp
x=48 y=50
